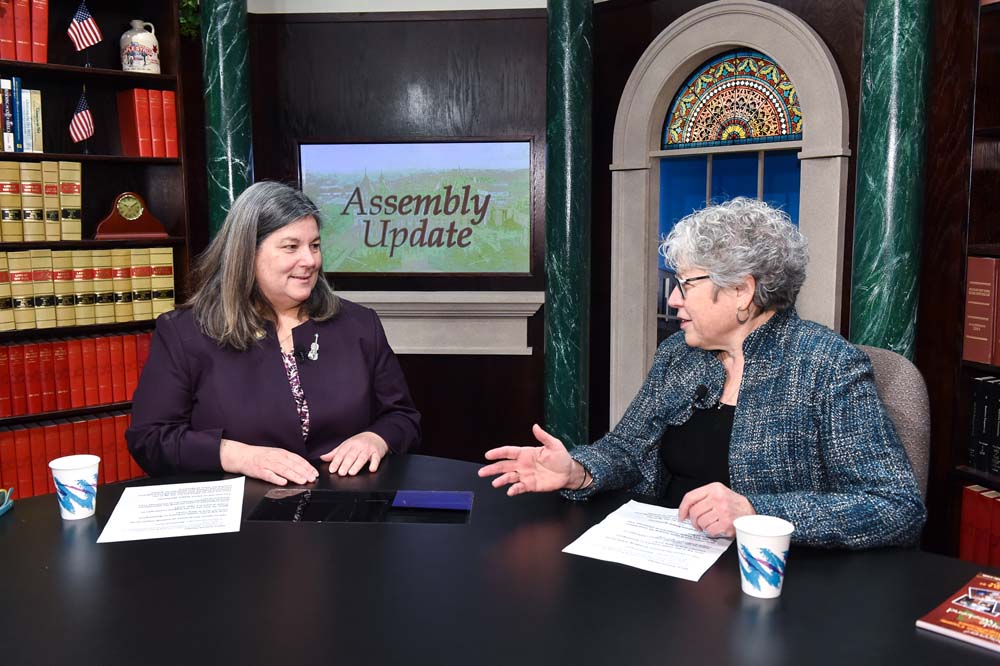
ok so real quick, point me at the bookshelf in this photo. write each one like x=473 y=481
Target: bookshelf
x=105 y=170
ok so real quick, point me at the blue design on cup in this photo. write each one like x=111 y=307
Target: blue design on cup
x=82 y=494
x=767 y=566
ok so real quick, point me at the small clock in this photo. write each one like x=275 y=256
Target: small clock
x=129 y=206
x=130 y=218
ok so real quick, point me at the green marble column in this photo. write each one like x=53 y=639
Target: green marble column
x=567 y=220
x=888 y=203
x=227 y=105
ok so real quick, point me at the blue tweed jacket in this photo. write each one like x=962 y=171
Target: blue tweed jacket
x=810 y=443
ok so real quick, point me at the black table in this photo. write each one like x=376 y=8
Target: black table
x=494 y=591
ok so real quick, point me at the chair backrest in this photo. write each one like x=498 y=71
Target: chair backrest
x=904 y=394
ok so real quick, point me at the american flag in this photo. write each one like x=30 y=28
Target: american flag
x=82 y=125
x=83 y=30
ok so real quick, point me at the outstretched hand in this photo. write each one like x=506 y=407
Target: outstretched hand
x=534 y=469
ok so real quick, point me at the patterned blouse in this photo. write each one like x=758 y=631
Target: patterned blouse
x=292 y=370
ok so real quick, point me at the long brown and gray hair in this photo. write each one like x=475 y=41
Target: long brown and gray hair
x=227 y=303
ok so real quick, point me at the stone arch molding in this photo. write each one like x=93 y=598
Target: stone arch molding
x=684 y=45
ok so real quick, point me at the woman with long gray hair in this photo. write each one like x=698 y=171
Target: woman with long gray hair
x=747 y=409
x=265 y=369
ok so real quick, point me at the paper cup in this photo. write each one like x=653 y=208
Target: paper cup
x=75 y=478
x=762 y=545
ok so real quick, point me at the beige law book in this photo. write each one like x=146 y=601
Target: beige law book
x=70 y=192
x=62 y=286
x=21 y=292
x=32 y=212
x=104 y=293
x=162 y=280
x=41 y=285
x=50 y=200
x=121 y=271
x=142 y=296
x=83 y=288
x=11 y=227
x=36 y=122
x=6 y=303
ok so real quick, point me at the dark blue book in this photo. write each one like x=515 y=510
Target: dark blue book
x=16 y=110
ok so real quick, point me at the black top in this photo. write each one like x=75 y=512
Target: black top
x=696 y=452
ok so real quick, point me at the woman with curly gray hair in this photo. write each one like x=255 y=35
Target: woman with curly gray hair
x=748 y=409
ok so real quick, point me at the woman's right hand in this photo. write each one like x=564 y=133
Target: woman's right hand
x=534 y=469
x=266 y=463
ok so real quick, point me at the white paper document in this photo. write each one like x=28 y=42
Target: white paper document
x=178 y=509
x=650 y=538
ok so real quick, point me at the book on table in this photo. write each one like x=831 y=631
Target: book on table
x=971 y=614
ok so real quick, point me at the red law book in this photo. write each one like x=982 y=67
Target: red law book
x=8 y=51
x=60 y=364
x=39 y=463
x=67 y=446
x=156 y=123
x=95 y=444
x=81 y=439
x=142 y=341
x=5 y=409
x=131 y=363
x=74 y=357
x=39 y=30
x=8 y=460
x=117 y=368
x=115 y=452
x=980 y=309
x=91 y=393
x=131 y=469
x=50 y=432
x=133 y=123
x=32 y=378
x=22 y=458
x=102 y=346
x=18 y=391
x=970 y=531
x=47 y=370
x=22 y=30
x=170 y=122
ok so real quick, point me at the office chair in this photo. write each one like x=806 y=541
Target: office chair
x=904 y=394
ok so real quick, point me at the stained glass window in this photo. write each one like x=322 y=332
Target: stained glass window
x=739 y=97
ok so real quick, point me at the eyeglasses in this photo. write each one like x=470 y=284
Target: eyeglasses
x=683 y=282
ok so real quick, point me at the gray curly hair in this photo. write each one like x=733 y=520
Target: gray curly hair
x=743 y=237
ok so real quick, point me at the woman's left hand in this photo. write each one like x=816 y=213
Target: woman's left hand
x=355 y=452
x=713 y=508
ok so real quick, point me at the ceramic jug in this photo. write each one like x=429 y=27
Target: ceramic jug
x=139 y=48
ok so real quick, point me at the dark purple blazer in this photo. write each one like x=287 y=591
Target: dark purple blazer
x=193 y=393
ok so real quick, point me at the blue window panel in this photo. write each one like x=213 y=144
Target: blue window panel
x=734 y=175
x=682 y=191
x=782 y=173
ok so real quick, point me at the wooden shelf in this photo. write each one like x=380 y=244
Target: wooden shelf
x=984 y=250
x=88 y=74
x=981 y=367
x=65 y=413
x=966 y=473
x=91 y=244
x=62 y=331
x=987 y=133
x=85 y=157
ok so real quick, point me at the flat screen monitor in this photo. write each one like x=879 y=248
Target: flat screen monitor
x=422 y=207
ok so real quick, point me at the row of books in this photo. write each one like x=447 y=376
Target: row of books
x=979 y=536
x=48 y=288
x=40 y=201
x=147 y=121
x=983 y=451
x=981 y=337
x=26 y=451
x=47 y=376
x=22 y=117
x=24 y=30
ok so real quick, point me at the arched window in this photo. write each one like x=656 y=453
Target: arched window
x=820 y=156
x=734 y=128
